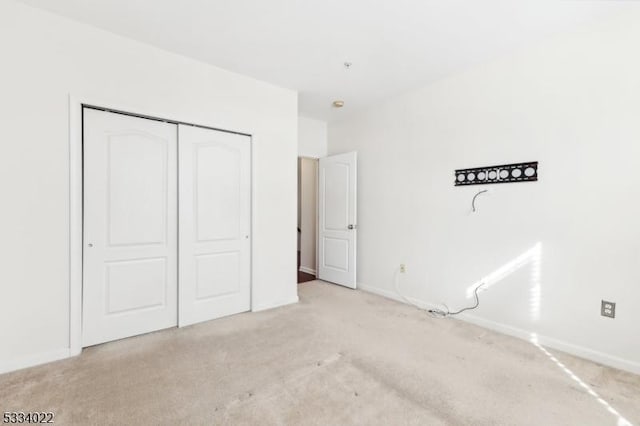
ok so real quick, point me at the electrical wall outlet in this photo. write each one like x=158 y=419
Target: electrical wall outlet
x=608 y=309
x=403 y=268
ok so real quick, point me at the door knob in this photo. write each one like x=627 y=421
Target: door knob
x=90 y=245
x=352 y=226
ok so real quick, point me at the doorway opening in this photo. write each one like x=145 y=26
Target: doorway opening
x=307 y=218
x=327 y=225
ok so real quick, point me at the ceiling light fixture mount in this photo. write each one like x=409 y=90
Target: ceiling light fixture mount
x=338 y=104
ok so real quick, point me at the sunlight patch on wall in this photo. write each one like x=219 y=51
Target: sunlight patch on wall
x=533 y=257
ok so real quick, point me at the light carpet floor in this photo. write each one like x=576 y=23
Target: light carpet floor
x=338 y=357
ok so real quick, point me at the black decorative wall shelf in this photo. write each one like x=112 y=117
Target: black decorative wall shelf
x=508 y=173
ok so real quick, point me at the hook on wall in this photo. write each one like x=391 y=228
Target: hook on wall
x=473 y=202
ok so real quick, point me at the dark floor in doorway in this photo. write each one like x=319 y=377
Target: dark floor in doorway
x=303 y=277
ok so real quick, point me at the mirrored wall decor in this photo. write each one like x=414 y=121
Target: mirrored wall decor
x=518 y=172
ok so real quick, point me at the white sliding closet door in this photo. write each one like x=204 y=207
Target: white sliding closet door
x=214 y=211
x=130 y=226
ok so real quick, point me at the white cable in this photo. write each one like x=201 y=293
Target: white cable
x=435 y=312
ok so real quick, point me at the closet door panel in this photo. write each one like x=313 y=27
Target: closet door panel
x=130 y=226
x=214 y=211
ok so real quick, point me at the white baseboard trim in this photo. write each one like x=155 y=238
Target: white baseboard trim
x=272 y=305
x=395 y=296
x=307 y=270
x=580 y=351
x=570 y=348
x=33 y=360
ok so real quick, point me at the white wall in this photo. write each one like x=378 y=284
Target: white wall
x=312 y=143
x=571 y=103
x=45 y=58
x=312 y=138
x=308 y=214
x=299 y=199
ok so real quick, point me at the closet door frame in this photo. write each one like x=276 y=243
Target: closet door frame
x=76 y=107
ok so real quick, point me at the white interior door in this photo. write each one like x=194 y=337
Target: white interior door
x=337 y=227
x=214 y=210
x=130 y=226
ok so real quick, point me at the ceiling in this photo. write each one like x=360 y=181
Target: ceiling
x=394 y=45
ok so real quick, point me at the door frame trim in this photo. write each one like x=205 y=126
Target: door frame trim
x=75 y=225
